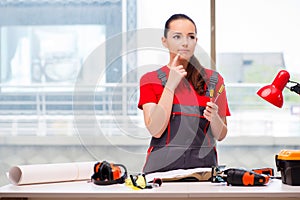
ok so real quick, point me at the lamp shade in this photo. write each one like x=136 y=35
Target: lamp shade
x=273 y=93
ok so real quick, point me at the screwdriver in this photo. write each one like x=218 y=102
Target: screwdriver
x=219 y=92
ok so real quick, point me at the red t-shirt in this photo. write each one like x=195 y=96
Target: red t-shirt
x=151 y=90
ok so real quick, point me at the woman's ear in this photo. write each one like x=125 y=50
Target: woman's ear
x=164 y=42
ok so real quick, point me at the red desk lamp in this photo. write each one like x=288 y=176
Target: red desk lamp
x=273 y=93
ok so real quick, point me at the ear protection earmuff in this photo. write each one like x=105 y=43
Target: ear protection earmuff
x=106 y=173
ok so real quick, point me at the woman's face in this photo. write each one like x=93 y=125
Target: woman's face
x=181 y=38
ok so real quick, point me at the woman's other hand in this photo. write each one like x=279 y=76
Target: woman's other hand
x=218 y=124
x=211 y=111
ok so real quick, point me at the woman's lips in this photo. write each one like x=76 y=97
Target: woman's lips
x=183 y=51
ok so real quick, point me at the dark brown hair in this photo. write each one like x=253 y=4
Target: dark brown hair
x=195 y=71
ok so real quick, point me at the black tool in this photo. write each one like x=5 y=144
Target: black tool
x=238 y=177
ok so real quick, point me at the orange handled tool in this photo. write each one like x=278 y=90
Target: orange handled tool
x=239 y=177
x=246 y=178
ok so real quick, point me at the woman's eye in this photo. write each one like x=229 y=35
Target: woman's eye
x=192 y=37
x=176 y=37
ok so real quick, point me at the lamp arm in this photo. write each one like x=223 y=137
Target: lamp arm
x=295 y=88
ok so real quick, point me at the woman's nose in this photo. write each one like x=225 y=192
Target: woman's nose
x=184 y=41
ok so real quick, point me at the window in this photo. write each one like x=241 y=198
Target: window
x=43 y=50
x=46 y=54
x=254 y=42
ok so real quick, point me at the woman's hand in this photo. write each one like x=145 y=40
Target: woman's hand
x=218 y=124
x=176 y=74
x=211 y=111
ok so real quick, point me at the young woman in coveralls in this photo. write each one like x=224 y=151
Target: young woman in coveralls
x=183 y=104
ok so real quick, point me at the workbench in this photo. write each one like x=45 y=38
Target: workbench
x=169 y=190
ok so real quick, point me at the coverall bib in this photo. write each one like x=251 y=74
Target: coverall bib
x=187 y=142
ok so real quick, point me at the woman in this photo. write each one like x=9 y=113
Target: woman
x=180 y=105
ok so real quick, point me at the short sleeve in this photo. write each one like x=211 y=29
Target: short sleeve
x=147 y=93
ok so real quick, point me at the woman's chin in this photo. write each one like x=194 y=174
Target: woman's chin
x=185 y=56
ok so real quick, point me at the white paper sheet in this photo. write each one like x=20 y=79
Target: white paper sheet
x=49 y=173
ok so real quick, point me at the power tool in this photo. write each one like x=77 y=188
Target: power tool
x=240 y=177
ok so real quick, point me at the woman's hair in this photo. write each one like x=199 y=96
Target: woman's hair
x=195 y=71
x=176 y=17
